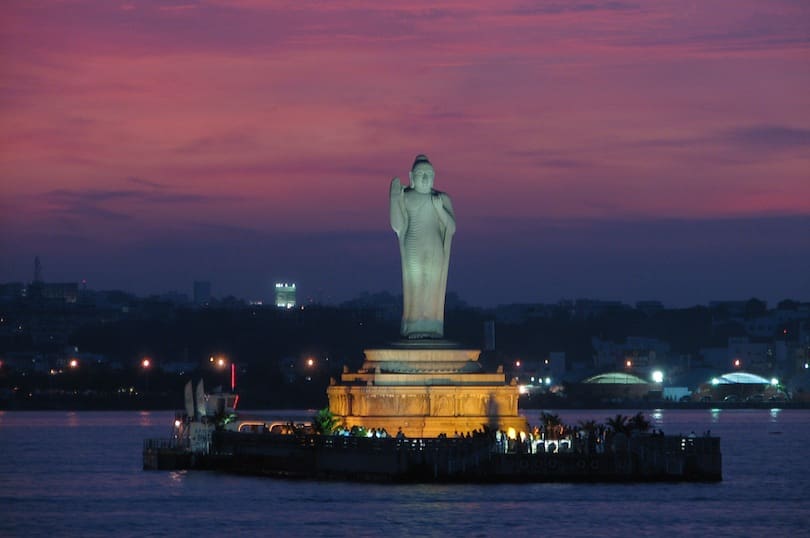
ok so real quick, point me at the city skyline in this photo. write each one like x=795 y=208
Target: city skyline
x=611 y=151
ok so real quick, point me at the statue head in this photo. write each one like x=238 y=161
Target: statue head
x=422 y=175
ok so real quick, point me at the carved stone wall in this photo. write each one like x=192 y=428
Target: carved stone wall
x=427 y=403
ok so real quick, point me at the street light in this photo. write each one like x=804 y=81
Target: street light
x=221 y=363
x=146 y=364
x=658 y=376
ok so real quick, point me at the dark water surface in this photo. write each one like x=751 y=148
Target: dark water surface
x=79 y=474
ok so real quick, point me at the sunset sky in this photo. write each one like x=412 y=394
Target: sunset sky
x=610 y=150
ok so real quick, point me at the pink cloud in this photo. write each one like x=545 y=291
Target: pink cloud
x=560 y=109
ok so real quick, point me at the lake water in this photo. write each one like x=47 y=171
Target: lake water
x=79 y=474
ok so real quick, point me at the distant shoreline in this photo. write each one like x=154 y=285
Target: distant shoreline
x=167 y=404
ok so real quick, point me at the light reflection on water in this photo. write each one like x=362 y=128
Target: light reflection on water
x=145 y=418
x=84 y=471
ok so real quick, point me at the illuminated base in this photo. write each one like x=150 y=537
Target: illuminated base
x=425 y=391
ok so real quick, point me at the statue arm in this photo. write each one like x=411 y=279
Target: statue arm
x=444 y=209
x=397 y=205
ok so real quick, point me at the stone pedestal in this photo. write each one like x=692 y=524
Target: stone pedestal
x=425 y=388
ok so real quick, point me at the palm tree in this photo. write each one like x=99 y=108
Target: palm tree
x=639 y=422
x=588 y=426
x=550 y=419
x=324 y=422
x=552 y=425
x=619 y=424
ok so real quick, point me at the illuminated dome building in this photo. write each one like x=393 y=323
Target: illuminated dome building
x=613 y=387
x=740 y=387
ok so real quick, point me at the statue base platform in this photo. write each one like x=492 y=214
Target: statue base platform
x=425 y=388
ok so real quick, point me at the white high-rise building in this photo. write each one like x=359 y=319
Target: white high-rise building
x=285 y=295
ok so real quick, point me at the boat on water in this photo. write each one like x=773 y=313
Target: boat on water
x=212 y=436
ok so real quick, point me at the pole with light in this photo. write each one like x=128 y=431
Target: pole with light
x=146 y=365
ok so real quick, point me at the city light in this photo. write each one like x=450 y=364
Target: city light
x=628 y=363
x=737 y=363
x=146 y=363
x=517 y=364
x=658 y=376
x=310 y=362
x=73 y=363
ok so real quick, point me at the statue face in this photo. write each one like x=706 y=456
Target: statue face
x=422 y=178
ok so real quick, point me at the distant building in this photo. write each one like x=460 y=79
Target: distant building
x=762 y=326
x=202 y=292
x=285 y=295
x=64 y=291
x=637 y=353
x=521 y=312
x=754 y=356
x=594 y=308
x=650 y=308
x=735 y=310
x=12 y=290
x=740 y=386
x=174 y=297
x=612 y=387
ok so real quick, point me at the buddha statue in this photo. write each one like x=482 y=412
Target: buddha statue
x=423 y=220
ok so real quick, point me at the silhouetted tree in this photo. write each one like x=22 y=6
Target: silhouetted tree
x=639 y=422
x=619 y=424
